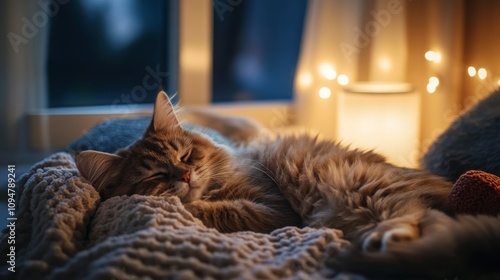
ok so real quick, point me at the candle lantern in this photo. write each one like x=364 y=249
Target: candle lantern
x=383 y=117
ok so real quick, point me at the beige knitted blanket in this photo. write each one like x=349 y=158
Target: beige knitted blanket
x=63 y=231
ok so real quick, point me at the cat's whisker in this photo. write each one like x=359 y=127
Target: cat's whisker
x=265 y=171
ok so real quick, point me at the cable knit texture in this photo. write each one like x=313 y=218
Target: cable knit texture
x=476 y=192
x=64 y=232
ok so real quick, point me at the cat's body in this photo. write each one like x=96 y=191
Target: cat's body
x=215 y=180
x=355 y=191
x=287 y=181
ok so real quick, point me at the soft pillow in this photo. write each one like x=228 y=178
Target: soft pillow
x=472 y=142
x=111 y=135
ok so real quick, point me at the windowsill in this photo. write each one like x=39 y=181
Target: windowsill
x=95 y=110
x=54 y=128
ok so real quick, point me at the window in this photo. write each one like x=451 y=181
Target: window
x=116 y=51
x=107 y=52
x=256 y=46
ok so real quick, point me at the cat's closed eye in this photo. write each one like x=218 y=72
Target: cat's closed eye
x=186 y=157
x=157 y=176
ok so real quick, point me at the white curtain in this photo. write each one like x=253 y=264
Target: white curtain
x=380 y=41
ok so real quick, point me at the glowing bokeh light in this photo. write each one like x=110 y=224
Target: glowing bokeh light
x=481 y=73
x=434 y=81
x=343 y=79
x=327 y=71
x=431 y=88
x=471 y=71
x=325 y=92
x=430 y=55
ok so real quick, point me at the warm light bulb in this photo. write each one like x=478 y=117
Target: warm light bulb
x=325 y=92
x=481 y=73
x=431 y=88
x=437 y=57
x=433 y=56
x=472 y=71
x=342 y=79
x=430 y=55
x=498 y=82
x=305 y=79
x=434 y=81
x=327 y=71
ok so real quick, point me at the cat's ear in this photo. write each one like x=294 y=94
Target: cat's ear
x=97 y=167
x=164 y=114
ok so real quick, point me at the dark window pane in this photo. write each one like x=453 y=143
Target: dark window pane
x=105 y=52
x=256 y=48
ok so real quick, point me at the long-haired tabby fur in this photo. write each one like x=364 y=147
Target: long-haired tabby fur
x=296 y=181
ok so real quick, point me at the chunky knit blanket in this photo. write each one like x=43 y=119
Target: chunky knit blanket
x=63 y=231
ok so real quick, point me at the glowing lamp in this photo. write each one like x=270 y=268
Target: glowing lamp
x=383 y=117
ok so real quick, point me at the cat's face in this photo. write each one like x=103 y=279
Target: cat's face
x=167 y=161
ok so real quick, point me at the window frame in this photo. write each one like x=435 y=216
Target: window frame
x=54 y=128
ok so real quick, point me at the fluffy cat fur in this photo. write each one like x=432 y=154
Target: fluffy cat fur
x=221 y=188
x=392 y=215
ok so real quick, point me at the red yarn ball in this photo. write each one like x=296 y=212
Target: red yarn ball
x=476 y=192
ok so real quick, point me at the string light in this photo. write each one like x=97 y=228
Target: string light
x=434 y=81
x=327 y=71
x=432 y=85
x=437 y=57
x=433 y=56
x=431 y=88
x=325 y=92
x=481 y=73
x=342 y=80
x=429 y=55
x=471 y=71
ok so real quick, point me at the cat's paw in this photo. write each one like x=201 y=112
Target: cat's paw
x=383 y=240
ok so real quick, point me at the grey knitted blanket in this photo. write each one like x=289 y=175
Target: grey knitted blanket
x=63 y=231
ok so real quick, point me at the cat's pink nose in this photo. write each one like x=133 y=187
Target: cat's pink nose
x=185 y=176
